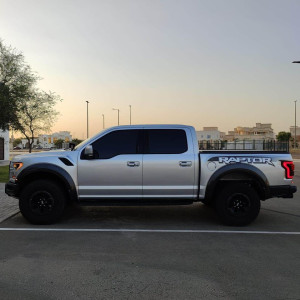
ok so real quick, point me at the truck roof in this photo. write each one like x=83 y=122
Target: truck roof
x=164 y=126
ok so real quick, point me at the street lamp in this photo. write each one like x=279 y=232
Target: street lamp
x=118 y=115
x=87 y=118
x=103 y=121
x=130 y=113
x=295 y=124
x=296 y=62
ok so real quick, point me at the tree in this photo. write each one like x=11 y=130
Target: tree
x=36 y=115
x=16 y=142
x=23 y=106
x=59 y=143
x=76 y=141
x=16 y=81
x=283 y=136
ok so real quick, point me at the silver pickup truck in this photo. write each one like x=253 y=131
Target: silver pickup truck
x=149 y=165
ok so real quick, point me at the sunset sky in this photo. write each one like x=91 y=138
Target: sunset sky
x=201 y=63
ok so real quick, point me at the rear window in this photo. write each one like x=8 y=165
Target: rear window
x=166 y=141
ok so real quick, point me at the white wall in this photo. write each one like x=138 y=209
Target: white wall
x=5 y=135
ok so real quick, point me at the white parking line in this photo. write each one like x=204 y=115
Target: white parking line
x=152 y=230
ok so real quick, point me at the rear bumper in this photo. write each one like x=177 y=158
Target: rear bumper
x=12 y=189
x=282 y=191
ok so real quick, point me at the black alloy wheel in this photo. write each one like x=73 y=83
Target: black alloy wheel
x=42 y=202
x=237 y=204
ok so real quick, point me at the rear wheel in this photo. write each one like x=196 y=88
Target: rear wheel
x=42 y=202
x=237 y=204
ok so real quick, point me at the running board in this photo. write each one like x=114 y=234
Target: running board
x=132 y=202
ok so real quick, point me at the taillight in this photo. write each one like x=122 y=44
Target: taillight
x=289 y=168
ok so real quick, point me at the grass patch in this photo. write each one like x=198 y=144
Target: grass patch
x=4 y=173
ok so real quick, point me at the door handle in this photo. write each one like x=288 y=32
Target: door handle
x=185 y=163
x=133 y=163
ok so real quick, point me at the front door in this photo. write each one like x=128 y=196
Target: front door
x=115 y=171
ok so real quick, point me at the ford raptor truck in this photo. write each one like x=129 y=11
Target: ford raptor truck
x=149 y=165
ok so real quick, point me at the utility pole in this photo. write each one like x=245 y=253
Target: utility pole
x=87 y=119
x=295 y=143
x=130 y=113
x=118 y=115
x=103 y=121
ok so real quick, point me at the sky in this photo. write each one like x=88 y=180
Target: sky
x=200 y=63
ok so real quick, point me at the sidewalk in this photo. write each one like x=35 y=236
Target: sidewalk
x=4 y=162
x=8 y=205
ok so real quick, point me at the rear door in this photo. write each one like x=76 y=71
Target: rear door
x=168 y=164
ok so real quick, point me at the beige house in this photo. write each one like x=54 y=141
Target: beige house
x=210 y=134
x=292 y=131
x=259 y=132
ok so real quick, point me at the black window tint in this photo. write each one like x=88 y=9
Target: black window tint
x=166 y=141
x=116 y=143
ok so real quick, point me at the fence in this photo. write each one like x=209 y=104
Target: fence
x=258 y=145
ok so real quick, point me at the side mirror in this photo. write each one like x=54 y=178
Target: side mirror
x=72 y=146
x=89 y=152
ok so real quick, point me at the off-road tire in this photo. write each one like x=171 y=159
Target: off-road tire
x=209 y=203
x=42 y=202
x=237 y=204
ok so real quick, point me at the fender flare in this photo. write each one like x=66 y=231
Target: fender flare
x=253 y=171
x=46 y=168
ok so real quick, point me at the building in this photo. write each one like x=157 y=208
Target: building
x=4 y=145
x=292 y=131
x=48 y=141
x=259 y=132
x=210 y=134
x=24 y=143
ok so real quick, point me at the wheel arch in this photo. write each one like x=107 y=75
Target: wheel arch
x=238 y=173
x=49 y=172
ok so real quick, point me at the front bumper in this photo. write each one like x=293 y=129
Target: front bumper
x=12 y=189
x=282 y=191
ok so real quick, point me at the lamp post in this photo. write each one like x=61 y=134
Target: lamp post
x=87 y=119
x=118 y=115
x=130 y=113
x=103 y=121
x=295 y=124
x=296 y=62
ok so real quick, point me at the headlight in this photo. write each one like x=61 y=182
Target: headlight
x=13 y=168
x=17 y=165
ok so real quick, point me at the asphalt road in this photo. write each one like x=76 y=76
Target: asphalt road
x=179 y=252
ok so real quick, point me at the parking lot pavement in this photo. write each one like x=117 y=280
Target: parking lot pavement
x=8 y=205
x=179 y=252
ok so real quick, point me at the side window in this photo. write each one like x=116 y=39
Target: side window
x=166 y=141
x=116 y=143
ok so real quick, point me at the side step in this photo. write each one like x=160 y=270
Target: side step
x=132 y=202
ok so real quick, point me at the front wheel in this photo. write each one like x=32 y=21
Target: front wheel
x=42 y=202
x=237 y=204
